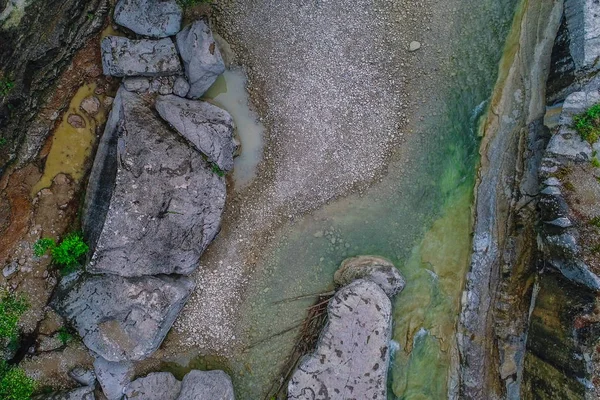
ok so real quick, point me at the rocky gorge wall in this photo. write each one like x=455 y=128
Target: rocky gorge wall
x=527 y=328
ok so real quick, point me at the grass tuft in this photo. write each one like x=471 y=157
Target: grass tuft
x=11 y=310
x=587 y=124
x=14 y=383
x=67 y=254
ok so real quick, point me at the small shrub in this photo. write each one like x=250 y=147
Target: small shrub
x=587 y=124
x=14 y=383
x=64 y=335
x=217 y=170
x=3 y=142
x=11 y=310
x=595 y=163
x=595 y=221
x=67 y=254
x=6 y=85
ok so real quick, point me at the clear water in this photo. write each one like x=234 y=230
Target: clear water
x=419 y=217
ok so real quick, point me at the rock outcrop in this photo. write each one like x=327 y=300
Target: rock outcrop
x=375 y=269
x=201 y=57
x=113 y=377
x=352 y=355
x=125 y=57
x=207 y=127
x=196 y=385
x=124 y=319
x=166 y=202
x=153 y=18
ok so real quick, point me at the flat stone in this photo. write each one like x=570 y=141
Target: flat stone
x=352 y=355
x=124 y=57
x=154 y=386
x=153 y=18
x=414 y=46
x=82 y=393
x=85 y=377
x=10 y=269
x=375 y=269
x=91 y=105
x=208 y=127
x=201 y=57
x=138 y=84
x=181 y=87
x=113 y=377
x=153 y=203
x=76 y=121
x=206 y=385
x=120 y=318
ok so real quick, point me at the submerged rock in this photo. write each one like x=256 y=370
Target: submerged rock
x=153 y=203
x=123 y=318
x=82 y=393
x=209 y=385
x=352 y=355
x=113 y=377
x=374 y=269
x=154 y=18
x=154 y=386
x=208 y=127
x=201 y=57
x=124 y=57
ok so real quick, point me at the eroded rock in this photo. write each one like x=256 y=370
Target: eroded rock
x=201 y=57
x=154 y=18
x=154 y=386
x=208 y=127
x=352 y=355
x=83 y=376
x=123 y=318
x=166 y=202
x=124 y=57
x=374 y=269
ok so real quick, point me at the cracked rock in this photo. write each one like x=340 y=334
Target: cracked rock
x=154 y=18
x=124 y=57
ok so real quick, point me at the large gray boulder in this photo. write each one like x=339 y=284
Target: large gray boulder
x=113 y=377
x=154 y=386
x=153 y=203
x=372 y=268
x=82 y=393
x=120 y=318
x=352 y=355
x=201 y=57
x=583 y=22
x=206 y=385
x=208 y=127
x=154 y=18
x=126 y=57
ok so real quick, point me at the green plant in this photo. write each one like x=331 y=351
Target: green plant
x=595 y=221
x=14 y=383
x=90 y=16
x=595 y=162
x=6 y=85
x=192 y=3
x=67 y=254
x=569 y=186
x=217 y=170
x=587 y=124
x=11 y=310
x=3 y=142
x=64 y=335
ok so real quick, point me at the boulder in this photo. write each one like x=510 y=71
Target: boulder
x=154 y=386
x=124 y=57
x=91 y=105
x=83 y=376
x=154 y=18
x=206 y=385
x=123 y=318
x=153 y=203
x=375 y=269
x=201 y=57
x=582 y=18
x=82 y=393
x=208 y=127
x=352 y=355
x=113 y=377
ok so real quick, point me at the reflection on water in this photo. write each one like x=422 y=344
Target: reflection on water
x=229 y=92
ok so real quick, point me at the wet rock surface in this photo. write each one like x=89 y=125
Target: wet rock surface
x=352 y=355
x=371 y=268
x=125 y=57
x=123 y=318
x=207 y=127
x=201 y=57
x=213 y=385
x=166 y=204
x=153 y=18
x=82 y=393
x=113 y=377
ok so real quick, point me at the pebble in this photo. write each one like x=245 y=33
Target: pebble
x=414 y=46
x=91 y=105
x=76 y=121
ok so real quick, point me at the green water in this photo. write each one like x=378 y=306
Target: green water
x=419 y=217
